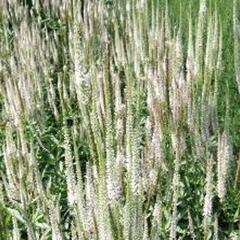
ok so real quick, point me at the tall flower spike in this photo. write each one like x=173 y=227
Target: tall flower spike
x=236 y=31
x=70 y=175
x=224 y=158
x=54 y=217
x=190 y=77
x=207 y=207
x=199 y=36
x=175 y=186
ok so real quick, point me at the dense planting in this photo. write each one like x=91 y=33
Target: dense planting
x=119 y=119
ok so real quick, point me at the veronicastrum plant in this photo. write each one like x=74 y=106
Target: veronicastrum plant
x=111 y=125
